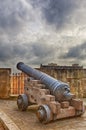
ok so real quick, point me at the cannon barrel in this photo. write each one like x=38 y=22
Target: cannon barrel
x=59 y=89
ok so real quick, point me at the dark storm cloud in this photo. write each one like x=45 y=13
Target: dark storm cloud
x=43 y=53
x=10 y=51
x=56 y=12
x=77 y=52
x=42 y=50
x=24 y=33
x=34 y=53
x=13 y=14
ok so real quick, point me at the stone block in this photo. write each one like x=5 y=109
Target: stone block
x=77 y=104
x=35 y=82
x=67 y=112
x=50 y=97
x=55 y=107
x=44 y=92
x=42 y=86
x=43 y=101
x=65 y=104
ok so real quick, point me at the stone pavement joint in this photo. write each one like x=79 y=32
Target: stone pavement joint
x=7 y=122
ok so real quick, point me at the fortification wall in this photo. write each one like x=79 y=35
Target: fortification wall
x=5 y=82
x=76 y=78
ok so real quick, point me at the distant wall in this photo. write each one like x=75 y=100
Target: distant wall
x=14 y=83
x=75 y=77
x=5 y=82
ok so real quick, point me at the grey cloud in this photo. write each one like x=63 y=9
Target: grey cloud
x=13 y=14
x=77 y=52
x=56 y=12
x=20 y=13
x=43 y=52
x=11 y=51
x=33 y=52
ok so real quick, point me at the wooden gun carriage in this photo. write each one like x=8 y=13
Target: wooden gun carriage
x=54 y=99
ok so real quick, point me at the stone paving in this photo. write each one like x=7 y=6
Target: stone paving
x=28 y=120
x=1 y=126
x=6 y=122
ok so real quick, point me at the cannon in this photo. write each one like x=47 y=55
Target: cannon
x=54 y=99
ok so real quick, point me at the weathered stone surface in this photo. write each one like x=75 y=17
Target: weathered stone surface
x=28 y=120
x=77 y=104
x=35 y=82
x=50 y=97
x=1 y=126
x=7 y=122
x=55 y=107
x=67 y=112
x=65 y=104
x=5 y=82
x=74 y=77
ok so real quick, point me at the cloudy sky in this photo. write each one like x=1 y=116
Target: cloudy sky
x=42 y=31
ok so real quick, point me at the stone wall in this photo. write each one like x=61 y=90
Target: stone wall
x=5 y=82
x=75 y=77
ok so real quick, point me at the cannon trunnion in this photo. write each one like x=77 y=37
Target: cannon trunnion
x=54 y=99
